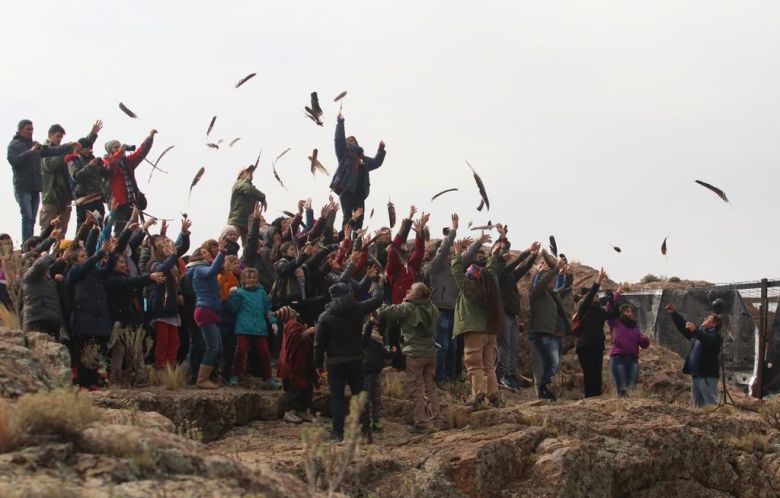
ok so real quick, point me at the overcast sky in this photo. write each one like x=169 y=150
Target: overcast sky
x=586 y=120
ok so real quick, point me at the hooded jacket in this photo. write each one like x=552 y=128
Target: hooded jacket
x=252 y=309
x=40 y=297
x=418 y=319
x=339 y=329
x=400 y=276
x=296 y=357
x=703 y=359
x=592 y=317
x=470 y=313
x=26 y=163
x=242 y=202
x=352 y=174
x=204 y=283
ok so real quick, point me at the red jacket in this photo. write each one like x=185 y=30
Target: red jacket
x=402 y=277
x=296 y=356
x=131 y=161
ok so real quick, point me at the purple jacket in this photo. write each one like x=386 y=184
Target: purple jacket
x=625 y=340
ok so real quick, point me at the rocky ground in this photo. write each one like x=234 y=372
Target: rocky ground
x=147 y=442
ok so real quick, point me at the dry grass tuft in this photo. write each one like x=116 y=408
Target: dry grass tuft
x=753 y=443
x=8 y=318
x=393 y=385
x=9 y=436
x=770 y=410
x=170 y=377
x=61 y=412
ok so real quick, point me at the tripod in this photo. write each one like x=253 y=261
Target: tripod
x=725 y=396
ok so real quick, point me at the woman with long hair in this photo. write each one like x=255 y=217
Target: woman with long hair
x=163 y=310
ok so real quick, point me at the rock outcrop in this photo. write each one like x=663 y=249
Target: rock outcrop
x=30 y=362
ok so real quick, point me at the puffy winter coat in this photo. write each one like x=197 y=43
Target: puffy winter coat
x=352 y=172
x=41 y=300
x=204 y=282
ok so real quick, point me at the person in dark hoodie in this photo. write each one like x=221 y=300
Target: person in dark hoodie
x=24 y=156
x=417 y=317
x=339 y=336
x=703 y=360
x=351 y=180
x=253 y=254
x=88 y=176
x=589 y=324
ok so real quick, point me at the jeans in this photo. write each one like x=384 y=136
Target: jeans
x=28 y=207
x=213 y=340
x=507 y=343
x=591 y=361
x=447 y=352
x=704 y=391
x=197 y=348
x=340 y=375
x=625 y=372
x=546 y=355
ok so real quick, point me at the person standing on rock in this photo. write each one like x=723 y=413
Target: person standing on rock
x=417 y=317
x=548 y=325
x=339 y=336
x=626 y=341
x=243 y=198
x=41 y=310
x=479 y=318
x=208 y=306
x=703 y=360
x=296 y=367
x=591 y=317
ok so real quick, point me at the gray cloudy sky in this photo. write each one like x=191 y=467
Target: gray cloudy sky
x=587 y=120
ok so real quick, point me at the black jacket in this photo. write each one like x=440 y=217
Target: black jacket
x=26 y=163
x=90 y=316
x=122 y=291
x=375 y=352
x=592 y=317
x=709 y=344
x=508 y=278
x=339 y=329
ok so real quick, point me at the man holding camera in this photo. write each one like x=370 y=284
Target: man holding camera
x=124 y=189
x=703 y=360
x=25 y=155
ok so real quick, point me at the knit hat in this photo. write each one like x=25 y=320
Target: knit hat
x=110 y=145
x=473 y=272
x=285 y=313
x=85 y=143
x=228 y=229
x=340 y=289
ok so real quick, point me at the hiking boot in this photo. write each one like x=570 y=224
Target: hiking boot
x=475 y=403
x=304 y=416
x=545 y=393
x=377 y=426
x=291 y=417
x=203 y=382
x=273 y=384
x=496 y=402
x=234 y=380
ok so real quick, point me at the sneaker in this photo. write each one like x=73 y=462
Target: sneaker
x=273 y=384
x=305 y=416
x=377 y=426
x=545 y=393
x=234 y=380
x=475 y=403
x=291 y=417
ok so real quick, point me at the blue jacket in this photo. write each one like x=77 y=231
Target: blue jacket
x=204 y=282
x=352 y=172
x=252 y=309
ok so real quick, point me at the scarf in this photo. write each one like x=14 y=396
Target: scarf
x=628 y=322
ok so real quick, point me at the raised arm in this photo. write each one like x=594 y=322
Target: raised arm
x=38 y=269
x=340 y=139
x=134 y=159
x=216 y=266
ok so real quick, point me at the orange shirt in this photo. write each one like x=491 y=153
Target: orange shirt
x=226 y=281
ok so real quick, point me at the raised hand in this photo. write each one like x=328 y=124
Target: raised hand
x=602 y=274
x=153 y=133
x=357 y=213
x=186 y=223
x=149 y=223
x=347 y=231
x=301 y=205
x=671 y=308
x=164 y=228
x=133 y=226
x=501 y=231
x=424 y=219
x=55 y=222
x=455 y=222
x=381 y=144
x=307 y=204
x=157 y=277
x=96 y=127
x=535 y=246
x=372 y=271
x=412 y=212
x=485 y=238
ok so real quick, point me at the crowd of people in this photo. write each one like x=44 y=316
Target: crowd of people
x=300 y=292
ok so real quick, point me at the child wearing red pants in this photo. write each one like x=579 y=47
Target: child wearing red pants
x=296 y=367
x=252 y=309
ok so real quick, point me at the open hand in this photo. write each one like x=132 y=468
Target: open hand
x=157 y=277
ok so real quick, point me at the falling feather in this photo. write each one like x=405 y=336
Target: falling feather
x=443 y=192
x=211 y=126
x=391 y=213
x=310 y=114
x=276 y=175
x=316 y=165
x=195 y=181
x=714 y=189
x=213 y=145
x=285 y=151
x=257 y=161
x=480 y=186
x=127 y=111
x=489 y=226
x=245 y=79
x=288 y=214
x=663 y=246
x=315 y=104
x=481 y=205
x=553 y=246
x=372 y=214
x=233 y=142
x=155 y=164
x=617 y=249
x=340 y=96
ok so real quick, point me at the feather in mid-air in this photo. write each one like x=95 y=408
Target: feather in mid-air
x=316 y=165
x=714 y=189
x=273 y=167
x=480 y=186
x=553 y=246
x=340 y=96
x=253 y=167
x=443 y=192
x=372 y=214
x=663 y=246
x=481 y=206
x=245 y=79
x=233 y=142
x=489 y=226
x=211 y=126
x=195 y=181
x=288 y=214
x=212 y=145
x=617 y=249
x=391 y=212
x=315 y=111
x=155 y=164
x=127 y=111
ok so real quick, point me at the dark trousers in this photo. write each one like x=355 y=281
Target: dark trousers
x=81 y=211
x=373 y=383
x=459 y=360
x=88 y=374
x=339 y=376
x=591 y=361
x=295 y=398
x=349 y=202
x=121 y=217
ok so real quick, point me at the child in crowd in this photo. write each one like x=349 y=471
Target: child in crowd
x=228 y=280
x=375 y=354
x=296 y=367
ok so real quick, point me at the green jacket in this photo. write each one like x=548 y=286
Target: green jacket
x=417 y=319
x=56 y=187
x=242 y=202
x=470 y=314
